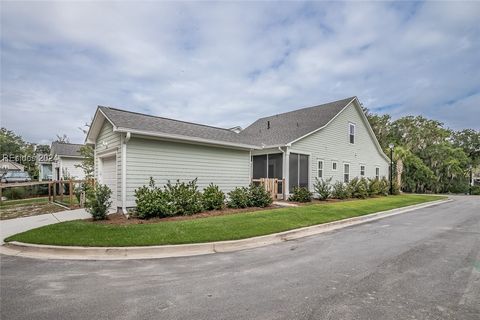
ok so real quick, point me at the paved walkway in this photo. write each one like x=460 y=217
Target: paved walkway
x=14 y=226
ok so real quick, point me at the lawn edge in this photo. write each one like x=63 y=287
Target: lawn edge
x=40 y=251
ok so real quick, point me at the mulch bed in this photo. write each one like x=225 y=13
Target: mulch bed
x=120 y=219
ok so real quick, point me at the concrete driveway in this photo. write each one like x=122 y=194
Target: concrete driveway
x=424 y=264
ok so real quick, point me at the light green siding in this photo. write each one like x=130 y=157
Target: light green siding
x=108 y=140
x=332 y=144
x=163 y=160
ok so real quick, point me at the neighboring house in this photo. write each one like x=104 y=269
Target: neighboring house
x=44 y=164
x=329 y=140
x=66 y=157
x=7 y=165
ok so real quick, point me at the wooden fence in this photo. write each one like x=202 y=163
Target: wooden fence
x=271 y=185
x=56 y=190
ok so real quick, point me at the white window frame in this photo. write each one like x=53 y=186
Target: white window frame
x=346 y=173
x=377 y=172
x=336 y=165
x=320 y=170
x=364 y=170
x=350 y=125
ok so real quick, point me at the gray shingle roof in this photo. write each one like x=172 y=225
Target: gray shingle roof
x=143 y=122
x=66 y=149
x=289 y=126
x=284 y=127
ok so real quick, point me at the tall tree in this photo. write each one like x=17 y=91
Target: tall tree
x=469 y=141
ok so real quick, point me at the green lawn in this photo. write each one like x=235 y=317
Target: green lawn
x=228 y=227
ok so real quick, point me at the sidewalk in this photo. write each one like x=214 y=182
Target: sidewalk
x=14 y=226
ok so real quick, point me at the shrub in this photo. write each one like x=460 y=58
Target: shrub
x=239 y=198
x=182 y=198
x=358 y=188
x=213 y=198
x=300 y=195
x=384 y=187
x=98 y=202
x=373 y=187
x=15 y=193
x=259 y=197
x=322 y=188
x=340 y=190
x=475 y=190
x=150 y=201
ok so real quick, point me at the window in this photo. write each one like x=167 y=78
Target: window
x=334 y=166
x=362 y=171
x=351 y=132
x=320 y=169
x=346 y=173
x=298 y=171
x=377 y=173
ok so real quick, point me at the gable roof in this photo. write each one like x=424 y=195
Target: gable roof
x=125 y=121
x=66 y=149
x=277 y=130
x=284 y=128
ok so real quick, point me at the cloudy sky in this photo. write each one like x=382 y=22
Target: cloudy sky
x=227 y=64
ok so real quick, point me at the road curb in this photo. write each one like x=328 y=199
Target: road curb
x=184 y=250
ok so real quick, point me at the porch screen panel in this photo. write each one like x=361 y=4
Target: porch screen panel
x=275 y=162
x=293 y=171
x=259 y=167
x=303 y=178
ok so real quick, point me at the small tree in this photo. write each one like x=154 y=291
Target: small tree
x=98 y=202
x=323 y=188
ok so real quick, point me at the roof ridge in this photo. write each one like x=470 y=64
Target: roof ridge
x=165 y=118
x=305 y=108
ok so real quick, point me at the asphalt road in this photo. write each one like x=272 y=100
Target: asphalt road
x=423 y=264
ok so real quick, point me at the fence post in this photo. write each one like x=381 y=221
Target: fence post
x=49 y=192
x=61 y=186
x=54 y=190
x=1 y=197
x=71 y=192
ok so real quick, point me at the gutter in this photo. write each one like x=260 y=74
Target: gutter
x=186 y=138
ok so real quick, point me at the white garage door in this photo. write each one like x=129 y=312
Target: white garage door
x=109 y=177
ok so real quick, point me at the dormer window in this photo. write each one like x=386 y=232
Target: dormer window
x=351 y=132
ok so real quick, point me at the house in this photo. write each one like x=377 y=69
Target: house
x=8 y=165
x=329 y=140
x=65 y=159
x=44 y=165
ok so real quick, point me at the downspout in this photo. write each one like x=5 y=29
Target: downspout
x=284 y=194
x=124 y=173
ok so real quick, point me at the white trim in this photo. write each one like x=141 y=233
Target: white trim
x=123 y=143
x=336 y=165
x=107 y=153
x=318 y=129
x=365 y=120
x=352 y=124
x=364 y=170
x=377 y=168
x=349 y=170
x=90 y=140
x=323 y=167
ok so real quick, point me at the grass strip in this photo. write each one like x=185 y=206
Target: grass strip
x=218 y=228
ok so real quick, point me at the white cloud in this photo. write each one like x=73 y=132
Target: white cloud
x=229 y=63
